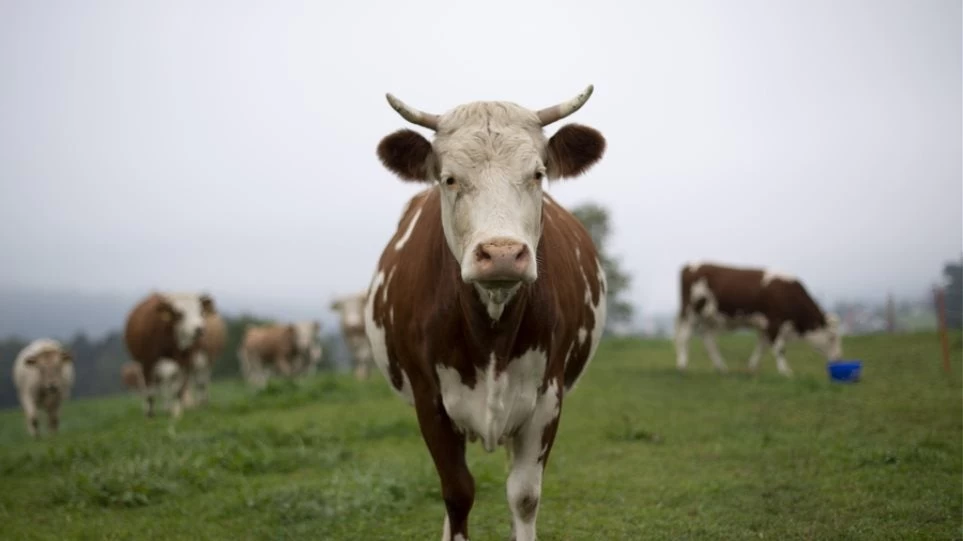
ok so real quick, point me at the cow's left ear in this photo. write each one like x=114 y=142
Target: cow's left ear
x=66 y=357
x=573 y=150
x=407 y=154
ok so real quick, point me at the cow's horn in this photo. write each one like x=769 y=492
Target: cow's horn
x=557 y=112
x=413 y=115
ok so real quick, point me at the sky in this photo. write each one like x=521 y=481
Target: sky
x=230 y=145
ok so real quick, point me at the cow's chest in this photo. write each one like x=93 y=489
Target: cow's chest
x=499 y=402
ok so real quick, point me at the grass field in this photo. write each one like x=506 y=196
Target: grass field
x=643 y=453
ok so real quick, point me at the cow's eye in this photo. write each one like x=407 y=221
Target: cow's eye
x=539 y=175
x=449 y=180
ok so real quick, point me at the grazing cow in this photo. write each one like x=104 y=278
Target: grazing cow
x=287 y=349
x=722 y=298
x=350 y=310
x=43 y=373
x=210 y=346
x=132 y=376
x=488 y=302
x=167 y=326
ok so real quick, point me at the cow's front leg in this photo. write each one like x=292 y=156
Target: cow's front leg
x=529 y=455
x=181 y=401
x=30 y=414
x=761 y=345
x=777 y=334
x=447 y=448
x=709 y=339
x=683 y=331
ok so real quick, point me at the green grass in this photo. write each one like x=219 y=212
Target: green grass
x=643 y=453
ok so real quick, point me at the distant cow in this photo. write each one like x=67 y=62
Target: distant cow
x=210 y=346
x=286 y=349
x=722 y=298
x=488 y=302
x=350 y=310
x=167 y=326
x=132 y=376
x=43 y=373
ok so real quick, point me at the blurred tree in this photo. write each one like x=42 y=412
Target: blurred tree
x=595 y=218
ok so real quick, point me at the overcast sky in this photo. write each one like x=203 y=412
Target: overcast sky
x=231 y=145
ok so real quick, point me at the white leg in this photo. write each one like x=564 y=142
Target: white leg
x=709 y=339
x=683 y=331
x=150 y=395
x=29 y=413
x=779 y=348
x=761 y=345
x=528 y=456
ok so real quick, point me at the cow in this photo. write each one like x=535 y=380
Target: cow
x=132 y=376
x=350 y=310
x=43 y=374
x=287 y=349
x=719 y=298
x=488 y=303
x=210 y=346
x=167 y=326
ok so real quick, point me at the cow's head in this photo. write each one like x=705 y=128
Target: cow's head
x=185 y=313
x=306 y=334
x=828 y=339
x=50 y=364
x=350 y=310
x=490 y=160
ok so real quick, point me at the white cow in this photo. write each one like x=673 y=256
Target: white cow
x=44 y=375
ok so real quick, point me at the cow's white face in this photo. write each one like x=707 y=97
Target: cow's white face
x=306 y=333
x=828 y=340
x=350 y=310
x=490 y=171
x=187 y=312
x=489 y=160
x=49 y=365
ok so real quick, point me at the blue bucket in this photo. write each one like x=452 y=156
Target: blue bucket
x=844 y=371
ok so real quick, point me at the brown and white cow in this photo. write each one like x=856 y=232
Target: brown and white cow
x=43 y=374
x=350 y=310
x=489 y=300
x=286 y=349
x=718 y=298
x=167 y=326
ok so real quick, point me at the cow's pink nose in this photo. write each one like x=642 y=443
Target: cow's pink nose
x=501 y=260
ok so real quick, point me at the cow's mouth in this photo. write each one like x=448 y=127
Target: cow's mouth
x=497 y=285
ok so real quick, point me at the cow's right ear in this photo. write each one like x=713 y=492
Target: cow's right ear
x=335 y=305
x=407 y=154
x=30 y=361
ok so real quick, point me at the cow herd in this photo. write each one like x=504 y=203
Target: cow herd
x=484 y=310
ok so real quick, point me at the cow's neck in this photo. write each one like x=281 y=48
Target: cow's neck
x=500 y=329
